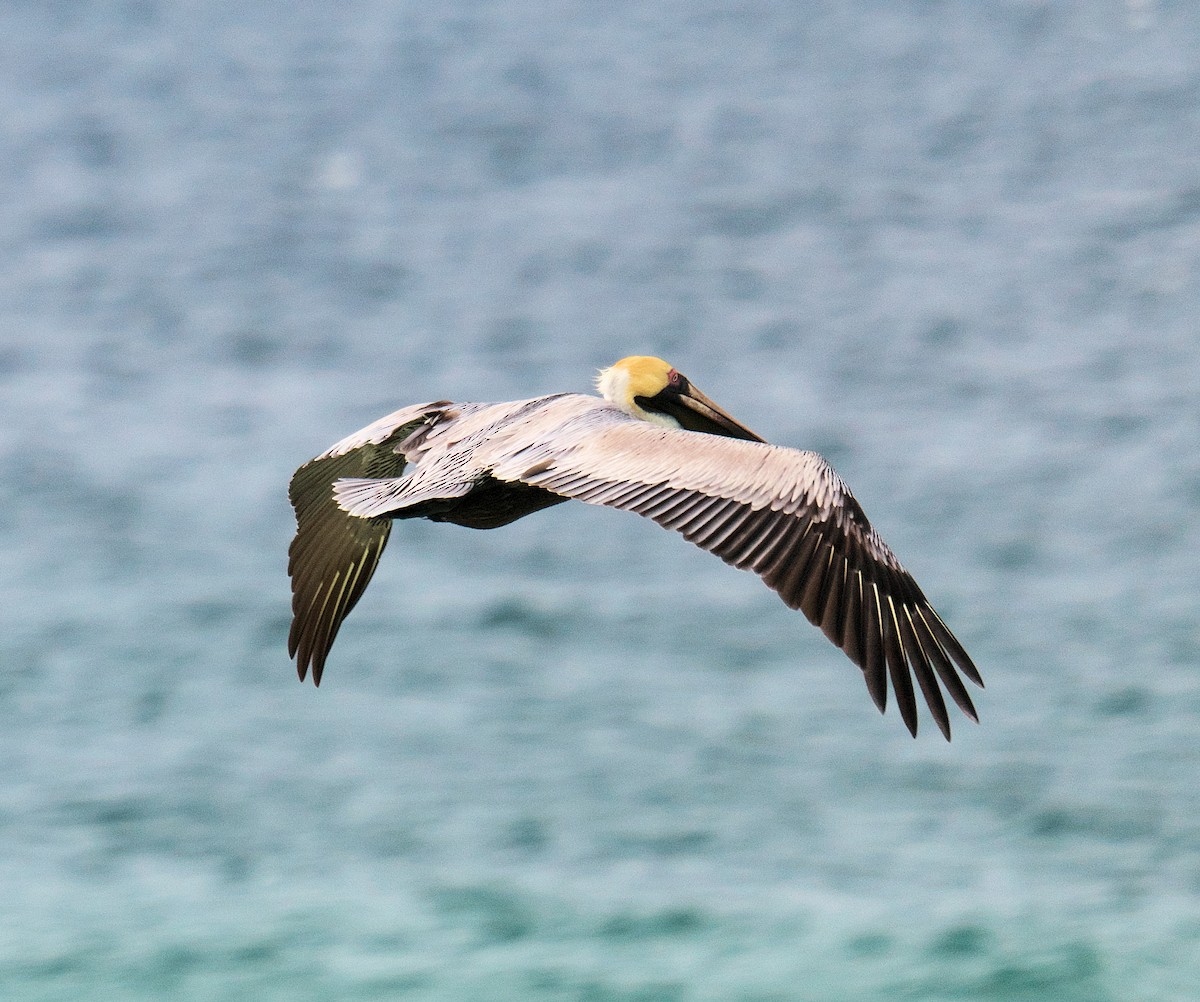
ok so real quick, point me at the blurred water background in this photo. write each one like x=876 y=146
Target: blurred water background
x=953 y=246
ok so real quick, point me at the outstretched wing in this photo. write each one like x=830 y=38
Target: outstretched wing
x=781 y=513
x=334 y=554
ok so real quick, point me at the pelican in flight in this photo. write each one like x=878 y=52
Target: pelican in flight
x=654 y=445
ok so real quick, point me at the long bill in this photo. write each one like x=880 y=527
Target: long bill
x=695 y=412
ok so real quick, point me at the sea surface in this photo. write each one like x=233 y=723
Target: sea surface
x=953 y=246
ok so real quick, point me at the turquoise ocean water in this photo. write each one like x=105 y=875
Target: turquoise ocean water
x=954 y=247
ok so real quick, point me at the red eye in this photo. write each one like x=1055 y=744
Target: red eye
x=674 y=378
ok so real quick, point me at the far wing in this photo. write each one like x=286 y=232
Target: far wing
x=781 y=513
x=334 y=555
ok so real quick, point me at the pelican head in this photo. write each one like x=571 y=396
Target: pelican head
x=648 y=388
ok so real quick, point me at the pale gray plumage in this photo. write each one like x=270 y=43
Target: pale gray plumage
x=781 y=513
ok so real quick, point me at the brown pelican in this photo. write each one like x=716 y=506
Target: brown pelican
x=653 y=445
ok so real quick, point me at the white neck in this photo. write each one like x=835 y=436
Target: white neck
x=613 y=384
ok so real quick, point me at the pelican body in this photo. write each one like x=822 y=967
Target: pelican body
x=651 y=444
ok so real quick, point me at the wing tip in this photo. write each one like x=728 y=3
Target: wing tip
x=306 y=660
